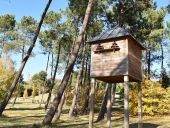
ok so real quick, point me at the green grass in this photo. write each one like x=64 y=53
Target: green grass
x=24 y=114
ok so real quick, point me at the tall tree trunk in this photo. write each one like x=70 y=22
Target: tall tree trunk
x=121 y=12
x=78 y=82
x=113 y=93
x=22 y=56
x=48 y=118
x=45 y=80
x=60 y=107
x=52 y=64
x=42 y=97
x=54 y=75
x=86 y=101
x=11 y=89
x=14 y=101
x=162 y=62
x=2 y=47
x=149 y=64
x=103 y=107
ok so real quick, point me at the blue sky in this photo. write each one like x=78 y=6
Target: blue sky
x=32 y=8
x=35 y=8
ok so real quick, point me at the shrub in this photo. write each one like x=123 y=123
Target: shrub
x=155 y=99
x=25 y=93
x=34 y=91
x=7 y=75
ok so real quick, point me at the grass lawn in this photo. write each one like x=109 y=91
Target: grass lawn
x=24 y=114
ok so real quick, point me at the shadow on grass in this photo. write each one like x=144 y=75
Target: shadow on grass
x=18 y=126
x=20 y=117
x=145 y=125
x=77 y=125
x=19 y=109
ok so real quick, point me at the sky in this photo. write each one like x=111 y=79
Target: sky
x=35 y=8
x=32 y=8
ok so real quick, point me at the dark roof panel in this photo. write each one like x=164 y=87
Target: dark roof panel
x=112 y=33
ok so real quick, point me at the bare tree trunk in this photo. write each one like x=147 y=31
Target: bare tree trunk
x=54 y=75
x=69 y=83
x=22 y=56
x=52 y=64
x=103 y=107
x=149 y=64
x=2 y=47
x=43 y=90
x=60 y=107
x=162 y=62
x=113 y=93
x=78 y=82
x=86 y=101
x=45 y=80
x=11 y=89
x=48 y=118
x=14 y=101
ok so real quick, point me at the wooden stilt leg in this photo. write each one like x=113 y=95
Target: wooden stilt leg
x=109 y=105
x=126 y=101
x=91 y=105
x=140 y=105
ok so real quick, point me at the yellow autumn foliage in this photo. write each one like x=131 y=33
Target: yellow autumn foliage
x=155 y=99
x=34 y=91
x=7 y=75
x=25 y=93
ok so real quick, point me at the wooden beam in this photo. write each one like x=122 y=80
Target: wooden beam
x=140 y=105
x=109 y=105
x=91 y=116
x=126 y=101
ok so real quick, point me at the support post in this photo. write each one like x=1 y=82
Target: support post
x=91 y=115
x=140 y=105
x=109 y=105
x=126 y=101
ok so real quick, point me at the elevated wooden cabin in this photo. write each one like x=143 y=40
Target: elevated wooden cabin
x=114 y=54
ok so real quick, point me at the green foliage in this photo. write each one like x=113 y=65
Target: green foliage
x=155 y=99
x=38 y=80
x=52 y=19
x=39 y=77
x=7 y=22
x=21 y=35
x=165 y=79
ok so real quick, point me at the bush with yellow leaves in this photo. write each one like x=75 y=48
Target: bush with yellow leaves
x=7 y=74
x=155 y=99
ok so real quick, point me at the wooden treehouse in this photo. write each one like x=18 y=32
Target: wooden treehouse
x=116 y=57
x=115 y=54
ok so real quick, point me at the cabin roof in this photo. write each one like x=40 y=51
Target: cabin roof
x=114 y=32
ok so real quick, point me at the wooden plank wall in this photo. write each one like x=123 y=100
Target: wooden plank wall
x=110 y=63
x=134 y=57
